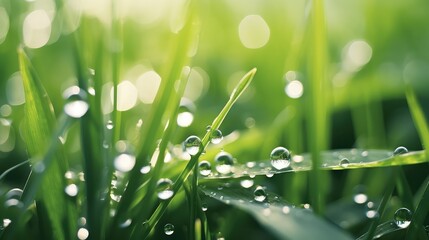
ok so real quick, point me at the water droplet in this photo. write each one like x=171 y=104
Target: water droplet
x=400 y=150
x=259 y=194
x=402 y=217
x=71 y=190
x=109 y=125
x=169 y=229
x=204 y=207
x=360 y=198
x=269 y=174
x=82 y=233
x=39 y=167
x=216 y=136
x=205 y=168
x=285 y=209
x=224 y=162
x=81 y=221
x=280 y=158
x=192 y=145
x=6 y=222
x=372 y=214
x=165 y=188
x=344 y=162
x=246 y=183
x=124 y=162
x=145 y=169
x=14 y=193
x=185 y=117
x=76 y=105
x=125 y=223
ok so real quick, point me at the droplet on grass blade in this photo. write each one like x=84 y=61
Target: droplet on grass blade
x=169 y=229
x=344 y=162
x=72 y=190
x=400 y=150
x=82 y=233
x=403 y=217
x=224 y=162
x=164 y=188
x=259 y=194
x=76 y=105
x=280 y=158
x=216 y=136
x=246 y=183
x=204 y=168
x=192 y=145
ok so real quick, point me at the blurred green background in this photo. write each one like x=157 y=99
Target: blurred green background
x=373 y=49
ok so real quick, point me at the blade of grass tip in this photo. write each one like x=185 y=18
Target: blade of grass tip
x=386 y=196
x=423 y=131
x=39 y=119
x=244 y=82
x=115 y=46
x=317 y=111
x=153 y=126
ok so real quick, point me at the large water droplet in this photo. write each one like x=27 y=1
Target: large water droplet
x=15 y=193
x=259 y=194
x=400 y=150
x=124 y=162
x=169 y=229
x=246 y=183
x=344 y=162
x=192 y=145
x=185 y=117
x=403 y=217
x=204 y=168
x=82 y=233
x=224 y=162
x=145 y=169
x=72 y=190
x=6 y=222
x=76 y=105
x=280 y=158
x=165 y=188
x=216 y=136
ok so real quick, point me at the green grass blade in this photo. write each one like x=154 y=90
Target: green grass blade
x=419 y=216
x=39 y=119
x=330 y=160
x=383 y=230
x=13 y=168
x=317 y=106
x=244 y=82
x=281 y=218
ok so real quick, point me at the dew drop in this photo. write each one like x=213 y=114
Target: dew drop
x=246 y=183
x=280 y=158
x=344 y=162
x=71 y=190
x=192 y=145
x=109 y=125
x=224 y=162
x=185 y=117
x=164 y=188
x=125 y=223
x=402 y=217
x=82 y=233
x=286 y=210
x=372 y=214
x=204 y=168
x=14 y=193
x=360 y=198
x=204 y=207
x=400 y=150
x=259 y=194
x=216 y=136
x=76 y=105
x=124 y=162
x=169 y=229
x=269 y=174
x=6 y=222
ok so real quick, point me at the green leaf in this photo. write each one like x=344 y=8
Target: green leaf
x=281 y=218
x=330 y=160
x=39 y=120
x=385 y=229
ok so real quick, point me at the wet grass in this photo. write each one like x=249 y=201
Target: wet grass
x=87 y=164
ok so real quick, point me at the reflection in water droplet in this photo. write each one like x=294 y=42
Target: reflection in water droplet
x=259 y=194
x=403 y=217
x=192 y=145
x=204 y=207
x=280 y=158
x=344 y=162
x=205 y=168
x=71 y=190
x=246 y=183
x=216 y=136
x=400 y=150
x=224 y=162
x=109 y=125
x=169 y=229
x=124 y=162
x=82 y=233
x=76 y=105
x=360 y=198
x=165 y=188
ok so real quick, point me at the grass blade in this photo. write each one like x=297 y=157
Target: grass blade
x=281 y=218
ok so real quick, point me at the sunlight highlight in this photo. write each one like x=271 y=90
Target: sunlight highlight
x=4 y=23
x=37 y=29
x=356 y=54
x=147 y=85
x=253 y=32
x=127 y=95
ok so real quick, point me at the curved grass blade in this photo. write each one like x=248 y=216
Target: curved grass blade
x=244 y=82
x=383 y=230
x=13 y=168
x=39 y=119
x=330 y=160
x=281 y=218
